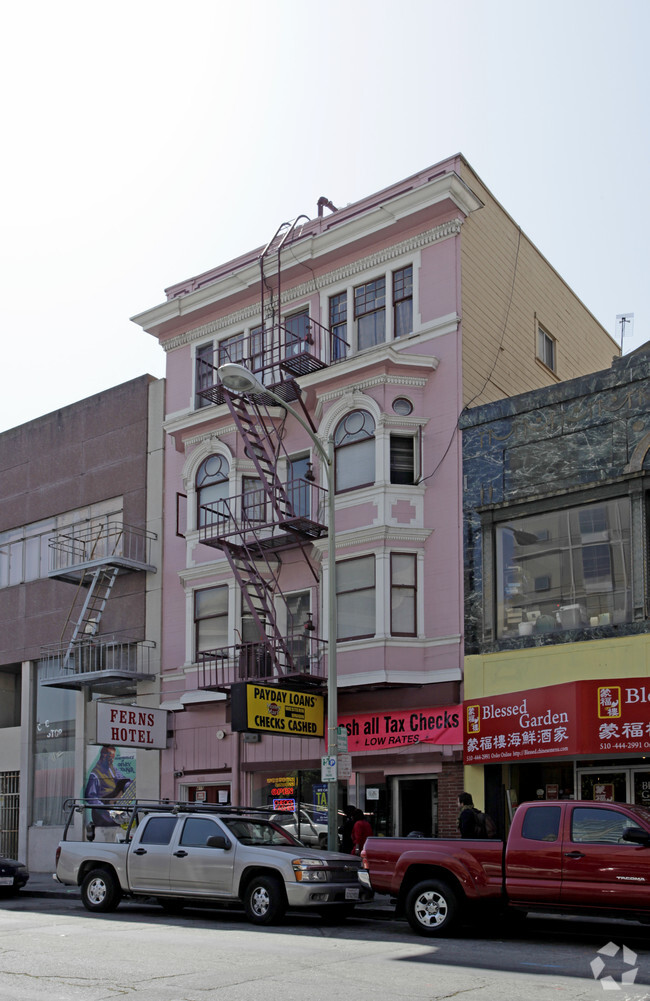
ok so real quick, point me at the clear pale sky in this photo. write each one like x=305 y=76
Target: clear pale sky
x=145 y=142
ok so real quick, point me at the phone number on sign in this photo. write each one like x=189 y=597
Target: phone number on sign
x=628 y=745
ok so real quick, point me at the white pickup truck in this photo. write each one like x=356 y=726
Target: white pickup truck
x=183 y=853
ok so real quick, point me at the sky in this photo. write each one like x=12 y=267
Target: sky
x=146 y=142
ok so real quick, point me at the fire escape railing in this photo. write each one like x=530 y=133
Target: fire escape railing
x=276 y=354
x=262 y=661
x=254 y=517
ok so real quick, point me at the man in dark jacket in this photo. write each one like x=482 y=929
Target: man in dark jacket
x=466 y=816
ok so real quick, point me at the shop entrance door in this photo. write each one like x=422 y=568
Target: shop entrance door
x=209 y=794
x=415 y=805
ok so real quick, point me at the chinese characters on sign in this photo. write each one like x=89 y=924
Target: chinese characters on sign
x=581 y=717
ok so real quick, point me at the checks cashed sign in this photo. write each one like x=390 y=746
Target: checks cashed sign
x=579 y=717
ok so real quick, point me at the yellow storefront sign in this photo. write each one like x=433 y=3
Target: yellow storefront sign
x=283 y=711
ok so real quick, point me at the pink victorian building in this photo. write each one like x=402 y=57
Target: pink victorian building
x=378 y=323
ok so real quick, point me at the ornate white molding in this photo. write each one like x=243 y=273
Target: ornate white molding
x=442 y=232
x=208 y=436
x=373 y=536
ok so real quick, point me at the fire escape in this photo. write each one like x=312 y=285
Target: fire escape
x=91 y=556
x=256 y=528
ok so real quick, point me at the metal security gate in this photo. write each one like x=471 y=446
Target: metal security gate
x=9 y=813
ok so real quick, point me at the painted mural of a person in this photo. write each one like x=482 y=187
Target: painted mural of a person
x=105 y=785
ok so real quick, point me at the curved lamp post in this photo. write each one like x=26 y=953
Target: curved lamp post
x=238 y=379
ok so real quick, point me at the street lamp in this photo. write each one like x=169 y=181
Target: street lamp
x=238 y=379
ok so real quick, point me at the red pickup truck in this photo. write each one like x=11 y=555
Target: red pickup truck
x=565 y=856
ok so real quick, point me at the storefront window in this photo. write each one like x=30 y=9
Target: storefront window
x=54 y=739
x=299 y=800
x=565 y=569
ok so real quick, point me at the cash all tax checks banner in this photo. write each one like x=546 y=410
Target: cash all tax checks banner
x=579 y=717
x=435 y=725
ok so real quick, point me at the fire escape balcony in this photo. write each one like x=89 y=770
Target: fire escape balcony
x=110 y=544
x=221 y=668
x=110 y=664
x=277 y=355
x=252 y=520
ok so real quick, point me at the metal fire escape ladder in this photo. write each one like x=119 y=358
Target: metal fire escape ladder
x=99 y=582
x=259 y=432
x=283 y=233
x=259 y=593
x=87 y=625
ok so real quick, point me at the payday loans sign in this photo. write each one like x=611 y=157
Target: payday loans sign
x=281 y=711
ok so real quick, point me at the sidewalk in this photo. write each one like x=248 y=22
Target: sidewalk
x=41 y=884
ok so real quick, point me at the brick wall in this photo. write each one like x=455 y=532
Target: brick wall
x=450 y=783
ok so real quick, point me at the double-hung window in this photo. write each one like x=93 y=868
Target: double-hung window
x=232 y=349
x=355 y=598
x=296 y=332
x=403 y=591
x=338 y=326
x=370 y=313
x=403 y=302
x=210 y=619
x=204 y=373
x=299 y=486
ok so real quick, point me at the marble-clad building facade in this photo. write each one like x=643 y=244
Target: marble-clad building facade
x=556 y=589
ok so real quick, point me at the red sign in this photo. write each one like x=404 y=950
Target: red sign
x=580 y=717
x=284 y=805
x=371 y=731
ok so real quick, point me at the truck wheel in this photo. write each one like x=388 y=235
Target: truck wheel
x=264 y=900
x=100 y=891
x=432 y=908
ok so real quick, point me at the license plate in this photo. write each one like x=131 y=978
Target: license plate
x=352 y=893
x=6 y=880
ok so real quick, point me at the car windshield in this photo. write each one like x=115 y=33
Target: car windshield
x=258 y=832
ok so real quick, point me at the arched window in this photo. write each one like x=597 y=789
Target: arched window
x=211 y=484
x=354 y=451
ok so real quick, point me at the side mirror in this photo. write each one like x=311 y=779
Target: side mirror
x=218 y=841
x=637 y=835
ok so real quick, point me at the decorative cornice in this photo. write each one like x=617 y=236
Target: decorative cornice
x=442 y=232
x=214 y=435
x=399 y=677
x=373 y=536
x=380 y=380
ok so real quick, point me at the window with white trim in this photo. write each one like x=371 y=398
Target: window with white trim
x=546 y=348
x=204 y=373
x=403 y=302
x=354 y=451
x=211 y=484
x=210 y=619
x=402 y=459
x=338 y=326
x=403 y=594
x=370 y=313
x=355 y=598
